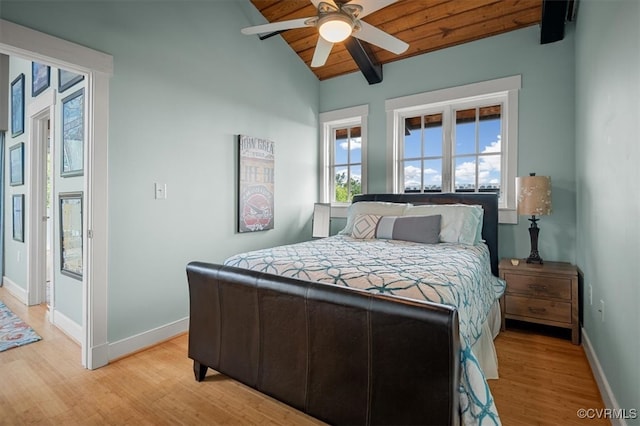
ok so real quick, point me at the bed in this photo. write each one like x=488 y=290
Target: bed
x=382 y=271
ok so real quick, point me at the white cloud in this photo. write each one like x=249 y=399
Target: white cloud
x=356 y=143
x=412 y=176
x=488 y=166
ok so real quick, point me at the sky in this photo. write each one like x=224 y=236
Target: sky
x=488 y=139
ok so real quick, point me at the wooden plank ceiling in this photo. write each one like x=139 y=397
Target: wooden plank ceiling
x=427 y=25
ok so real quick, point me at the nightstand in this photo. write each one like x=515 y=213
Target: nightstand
x=544 y=294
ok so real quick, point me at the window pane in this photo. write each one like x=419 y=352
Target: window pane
x=465 y=174
x=341 y=148
x=412 y=137
x=465 y=132
x=355 y=183
x=355 y=145
x=433 y=175
x=412 y=176
x=433 y=135
x=340 y=183
x=489 y=173
x=489 y=130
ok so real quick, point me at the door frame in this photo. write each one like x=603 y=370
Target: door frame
x=17 y=40
x=41 y=109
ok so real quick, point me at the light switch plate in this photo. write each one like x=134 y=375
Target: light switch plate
x=161 y=191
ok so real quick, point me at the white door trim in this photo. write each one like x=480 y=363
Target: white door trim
x=98 y=68
x=43 y=107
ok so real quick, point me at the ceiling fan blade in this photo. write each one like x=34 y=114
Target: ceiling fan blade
x=276 y=26
x=375 y=36
x=370 y=6
x=323 y=48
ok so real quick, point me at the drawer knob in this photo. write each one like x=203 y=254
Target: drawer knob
x=538 y=287
x=537 y=310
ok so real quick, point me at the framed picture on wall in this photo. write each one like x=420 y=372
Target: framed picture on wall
x=66 y=79
x=16 y=164
x=71 y=234
x=18 y=217
x=17 y=106
x=40 y=78
x=73 y=135
x=255 y=184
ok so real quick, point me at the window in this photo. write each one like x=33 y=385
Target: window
x=462 y=139
x=343 y=154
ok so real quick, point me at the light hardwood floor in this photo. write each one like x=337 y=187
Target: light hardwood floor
x=544 y=380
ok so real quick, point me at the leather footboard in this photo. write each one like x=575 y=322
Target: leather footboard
x=343 y=356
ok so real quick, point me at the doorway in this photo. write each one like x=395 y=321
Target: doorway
x=98 y=68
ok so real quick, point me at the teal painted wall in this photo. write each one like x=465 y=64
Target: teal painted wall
x=186 y=82
x=608 y=198
x=546 y=122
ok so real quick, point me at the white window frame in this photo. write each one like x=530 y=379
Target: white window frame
x=329 y=121
x=503 y=91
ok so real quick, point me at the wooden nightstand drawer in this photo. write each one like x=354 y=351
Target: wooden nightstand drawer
x=538 y=286
x=538 y=308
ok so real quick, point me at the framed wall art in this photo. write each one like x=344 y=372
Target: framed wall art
x=16 y=164
x=71 y=234
x=40 y=78
x=73 y=135
x=17 y=106
x=255 y=184
x=66 y=79
x=18 y=217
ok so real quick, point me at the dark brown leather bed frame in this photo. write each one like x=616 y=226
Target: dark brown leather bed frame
x=340 y=355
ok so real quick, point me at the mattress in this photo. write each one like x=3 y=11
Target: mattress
x=452 y=274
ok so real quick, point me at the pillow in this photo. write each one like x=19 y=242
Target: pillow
x=371 y=207
x=364 y=226
x=461 y=223
x=419 y=229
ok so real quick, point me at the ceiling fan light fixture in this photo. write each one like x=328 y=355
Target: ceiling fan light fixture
x=335 y=27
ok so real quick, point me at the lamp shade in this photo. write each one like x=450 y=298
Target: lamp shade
x=534 y=195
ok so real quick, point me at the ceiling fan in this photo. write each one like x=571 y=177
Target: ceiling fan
x=336 y=22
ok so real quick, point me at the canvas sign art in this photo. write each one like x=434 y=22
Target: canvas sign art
x=255 y=184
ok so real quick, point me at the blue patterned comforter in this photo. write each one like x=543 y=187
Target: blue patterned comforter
x=451 y=274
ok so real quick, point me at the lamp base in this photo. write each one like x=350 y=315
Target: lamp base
x=534 y=256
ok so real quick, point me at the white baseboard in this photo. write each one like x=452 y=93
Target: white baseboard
x=146 y=339
x=15 y=290
x=98 y=356
x=608 y=397
x=68 y=326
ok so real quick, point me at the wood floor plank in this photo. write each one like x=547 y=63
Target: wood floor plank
x=543 y=381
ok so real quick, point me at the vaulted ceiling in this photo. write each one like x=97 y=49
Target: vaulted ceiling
x=427 y=25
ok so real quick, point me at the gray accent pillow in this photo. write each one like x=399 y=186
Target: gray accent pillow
x=419 y=229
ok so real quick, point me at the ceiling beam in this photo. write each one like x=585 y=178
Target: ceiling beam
x=366 y=61
x=554 y=14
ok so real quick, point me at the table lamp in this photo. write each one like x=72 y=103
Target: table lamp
x=534 y=199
